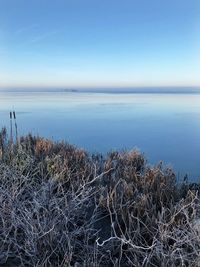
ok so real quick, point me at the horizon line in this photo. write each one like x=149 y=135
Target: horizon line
x=101 y=87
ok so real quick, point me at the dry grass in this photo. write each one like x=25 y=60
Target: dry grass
x=60 y=206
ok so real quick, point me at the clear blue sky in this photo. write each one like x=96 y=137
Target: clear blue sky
x=99 y=43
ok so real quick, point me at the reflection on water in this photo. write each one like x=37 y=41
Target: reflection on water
x=163 y=126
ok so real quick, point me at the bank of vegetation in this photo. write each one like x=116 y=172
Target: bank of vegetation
x=60 y=206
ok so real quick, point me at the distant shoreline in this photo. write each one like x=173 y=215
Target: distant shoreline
x=143 y=90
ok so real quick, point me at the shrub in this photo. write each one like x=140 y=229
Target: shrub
x=60 y=206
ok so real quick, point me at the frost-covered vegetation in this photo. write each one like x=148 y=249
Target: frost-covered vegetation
x=60 y=206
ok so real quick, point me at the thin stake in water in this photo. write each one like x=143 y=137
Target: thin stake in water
x=16 y=132
x=11 y=130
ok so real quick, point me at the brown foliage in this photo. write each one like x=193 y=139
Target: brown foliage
x=60 y=206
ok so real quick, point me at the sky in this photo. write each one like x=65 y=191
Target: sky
x=99 y=43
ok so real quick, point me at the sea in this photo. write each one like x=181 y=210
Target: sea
x=163 y=124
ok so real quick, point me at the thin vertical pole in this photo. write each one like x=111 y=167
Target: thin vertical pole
x=16 y=132
x=11 y=130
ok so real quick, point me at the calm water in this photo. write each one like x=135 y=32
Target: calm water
x=163 y=126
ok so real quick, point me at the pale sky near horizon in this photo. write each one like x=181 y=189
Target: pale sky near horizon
x=93 y=43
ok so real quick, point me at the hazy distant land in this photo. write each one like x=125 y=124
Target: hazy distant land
x=133 y=90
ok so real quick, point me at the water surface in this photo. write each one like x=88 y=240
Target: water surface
x=163 y=126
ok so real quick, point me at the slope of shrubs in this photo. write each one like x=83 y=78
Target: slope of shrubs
x=60 y=206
